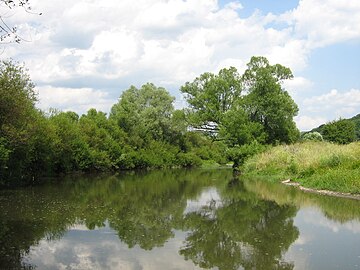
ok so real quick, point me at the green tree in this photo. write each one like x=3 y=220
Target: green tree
x=238 y=129
x=210 y=97
x=243 y=110
x=18 y=119
x=105 y=140
x=255 y=103
x=341 y=131
x=72 y=151
x=144 y=114
x=267 y=102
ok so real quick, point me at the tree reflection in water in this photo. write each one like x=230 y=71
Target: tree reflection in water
x=237 y=229
x=242 y=231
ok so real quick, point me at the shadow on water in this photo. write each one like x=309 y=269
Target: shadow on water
x=245 y=224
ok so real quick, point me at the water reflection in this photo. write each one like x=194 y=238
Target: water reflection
x=202 y=219
x=243 y=231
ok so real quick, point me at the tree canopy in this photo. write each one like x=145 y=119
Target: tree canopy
x=144 y=113
x=243 y=109
x=341 y=131
x=241 y=113
x=211 y=96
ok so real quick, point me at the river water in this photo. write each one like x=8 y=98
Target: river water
x=176 y=219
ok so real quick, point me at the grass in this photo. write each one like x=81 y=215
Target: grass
x=318 y=165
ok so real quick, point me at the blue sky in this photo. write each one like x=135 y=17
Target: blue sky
x=84 y=53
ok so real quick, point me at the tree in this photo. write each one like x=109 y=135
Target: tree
x=253 y=106
x=210 y=97
x=267 y=102
x=244 y=111
x=341 y=131
x=105 y=140
x=18 y=96
x=145 y=113
x=18 y=117
x=71 y=151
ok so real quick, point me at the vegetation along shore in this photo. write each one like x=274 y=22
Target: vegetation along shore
x=230 y=118
x=316 y=165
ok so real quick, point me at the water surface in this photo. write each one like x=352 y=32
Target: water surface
x=176 y=219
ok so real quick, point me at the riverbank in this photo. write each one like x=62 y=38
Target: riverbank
x=315 y=165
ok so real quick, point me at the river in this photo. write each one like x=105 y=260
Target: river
x=175 y=219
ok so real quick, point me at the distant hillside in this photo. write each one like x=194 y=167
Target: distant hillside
x=355 y=119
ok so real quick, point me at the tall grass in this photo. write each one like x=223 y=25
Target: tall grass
x=319 y=165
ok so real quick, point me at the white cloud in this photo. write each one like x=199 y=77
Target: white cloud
x=77 y=100
x=284 y=54
x=306 y=123
x=297 y=84
x=177 y=39
x=317 y=110
x=326 y=22
x=339 y=104
x=169 y=42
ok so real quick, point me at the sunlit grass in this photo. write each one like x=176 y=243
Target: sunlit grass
x=319 y=165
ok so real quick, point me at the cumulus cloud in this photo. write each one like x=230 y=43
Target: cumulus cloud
x=178 y=39
x=320 y=109
x=306 y=123
x=338 y=104
x=297 y=84
x=77 y=100
x=94 y=44
x=323 y=23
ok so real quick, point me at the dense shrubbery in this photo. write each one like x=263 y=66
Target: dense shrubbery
x=143 y=129
x=341 y=131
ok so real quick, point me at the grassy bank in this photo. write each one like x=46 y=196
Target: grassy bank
x=318 y=165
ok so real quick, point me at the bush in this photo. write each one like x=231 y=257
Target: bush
x=239 y=154
x=313 y=136
x=188 y=160
x=341 y=131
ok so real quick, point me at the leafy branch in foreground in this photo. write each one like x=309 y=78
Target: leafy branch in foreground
x=9 y=33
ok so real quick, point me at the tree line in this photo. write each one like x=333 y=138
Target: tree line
x=341 y=131
x=229 y=117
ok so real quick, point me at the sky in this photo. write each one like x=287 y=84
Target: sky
x=83 y=54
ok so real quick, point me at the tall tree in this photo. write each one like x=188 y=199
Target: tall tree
x=211 y=96
x=145 y=113
x=17 y=118
x=267 y=102
x=246 y=110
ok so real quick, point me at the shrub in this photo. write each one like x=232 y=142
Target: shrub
x=188 y=160
x=313 y=136
x=341 y=131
